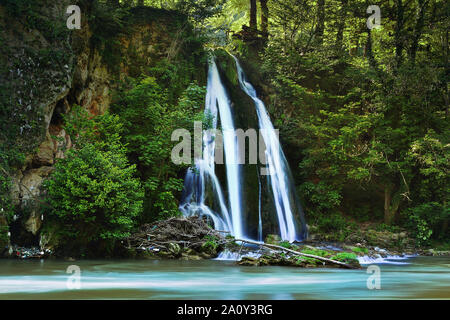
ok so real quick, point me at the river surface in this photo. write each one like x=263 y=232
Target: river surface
x=415 y=278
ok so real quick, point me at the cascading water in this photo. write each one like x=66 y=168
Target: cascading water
x=278 y=169
x=228 y=215
x=216 y=98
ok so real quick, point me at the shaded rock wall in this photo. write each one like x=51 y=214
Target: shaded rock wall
x=46 y=71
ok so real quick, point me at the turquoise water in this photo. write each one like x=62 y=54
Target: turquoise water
x=421 y=278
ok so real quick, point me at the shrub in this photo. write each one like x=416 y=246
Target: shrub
x=92 y=194
x=211 y=245
x=331 y=223
x=429 y=220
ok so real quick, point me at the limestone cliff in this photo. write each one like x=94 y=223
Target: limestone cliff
x=46 y=69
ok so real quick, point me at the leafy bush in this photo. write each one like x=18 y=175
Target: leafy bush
x=331 y=223
x=92 y=194
x=211 y=245
x=429 y=220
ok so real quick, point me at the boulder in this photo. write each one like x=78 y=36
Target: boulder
x=46 y=153
x=272 y=239
x=30 y=188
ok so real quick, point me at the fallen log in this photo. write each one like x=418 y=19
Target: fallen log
x=273 y=246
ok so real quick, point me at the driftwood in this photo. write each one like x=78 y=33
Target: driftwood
x=273 y=246
x=189 y=232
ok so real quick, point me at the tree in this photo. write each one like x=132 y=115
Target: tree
x=149 y=120
x=264 y=18
x=253 y=9
x=320 y=27
x=358 y=117
x=93 y=196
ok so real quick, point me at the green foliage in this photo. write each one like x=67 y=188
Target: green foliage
x=360 y=250
x=23 y=74
x=316 y=252
x=108 y=24
x=285 y=244
x=92 y=194
x=210 y=245
x=331 y=223
x=149 y=119
x=199 y=10
x=344 y=257
x=35 y=18
x=323 y=196
x=4 y=239
x=368 y=111
x=5 y=196
x=429 y=220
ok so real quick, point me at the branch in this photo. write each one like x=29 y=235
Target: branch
x=273 y=246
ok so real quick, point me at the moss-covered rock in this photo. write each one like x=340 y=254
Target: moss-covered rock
x=4 y=236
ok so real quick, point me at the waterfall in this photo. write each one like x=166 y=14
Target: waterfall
x=278 y=168
x=217 y=104
x=228 y=215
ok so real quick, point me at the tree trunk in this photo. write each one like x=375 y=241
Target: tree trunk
x=391 y=204
x=368 y=50
x=320 y=21
x=341 y=24
x=387 y=205
x=253 y=24
x=418 y=29
x=399 y=33
x=274 y=246
x=264 y=18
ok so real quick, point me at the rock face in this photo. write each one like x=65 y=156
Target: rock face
x=45 y=72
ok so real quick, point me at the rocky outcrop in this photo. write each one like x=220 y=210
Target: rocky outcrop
x=45 y=71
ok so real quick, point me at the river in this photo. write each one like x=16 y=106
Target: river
x=415 y=278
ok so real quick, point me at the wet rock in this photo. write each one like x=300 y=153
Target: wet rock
x=30 y=189
x=174 y=249
x=272 y=239
x=248 y=261
x=190 y=257
x=30 y=253
x=433 y=252
x=45 y=154
x=32 y=181
x=4 y=236
x=34 y=222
